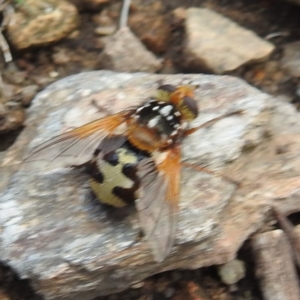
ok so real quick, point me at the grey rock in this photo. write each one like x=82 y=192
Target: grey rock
x=232 y=271
x=124 y=52
x=291 y=59
x=71 y=247
x=218 y=44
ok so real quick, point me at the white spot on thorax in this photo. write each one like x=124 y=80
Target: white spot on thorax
x=169 y=118
x=155 y=108
x=174 y=132
x=140 y=109
x=153 y=122
x=165 y=111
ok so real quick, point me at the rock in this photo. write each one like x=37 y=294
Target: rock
x=274 y=266
x=70 y=247
x=291 y=59
x=27 y=94
x=10 y=118
x=152 y=28
x=108 y=30
x=39 y=22
x=232 y=271
x=219 y=45
x=123 y=52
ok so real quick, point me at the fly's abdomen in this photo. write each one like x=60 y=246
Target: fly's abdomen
x=114 y=178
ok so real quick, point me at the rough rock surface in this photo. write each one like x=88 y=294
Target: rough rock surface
x=291 y=58
x=124 y=52
x=71 y=247
x=29 y=26
x=217 y=44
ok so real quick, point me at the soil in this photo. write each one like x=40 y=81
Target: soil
x=277 y=21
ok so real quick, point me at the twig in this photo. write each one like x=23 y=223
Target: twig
x=124 y=13
x=7 y=11
x=288 y=228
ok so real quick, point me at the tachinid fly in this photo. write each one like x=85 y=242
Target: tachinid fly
x=141 y=163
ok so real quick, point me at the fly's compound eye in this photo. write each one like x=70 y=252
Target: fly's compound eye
x=164 y=92
x=189 y=105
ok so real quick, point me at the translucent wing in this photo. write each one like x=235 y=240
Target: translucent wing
x=77 y=146
x=158 y=203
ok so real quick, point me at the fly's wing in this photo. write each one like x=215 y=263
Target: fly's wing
x=158 y=203
x=77 y=146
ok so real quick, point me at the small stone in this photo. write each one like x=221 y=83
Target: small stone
x=138 y=285
x=179 y=15
x=152 y=29
x=232 y=272
x=291 y=58
x=61 y=56
x=11 y=119
x=169 y=292
x=218 y=44
x=27 y=94
x=53 y=74
x=107 y=30
x=103 y=19
x=125 y=53
x=38 y=22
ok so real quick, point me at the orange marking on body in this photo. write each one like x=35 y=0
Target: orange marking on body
x=181 y=92
x=170 y=167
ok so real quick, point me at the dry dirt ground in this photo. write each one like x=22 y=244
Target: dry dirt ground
x=276 y=20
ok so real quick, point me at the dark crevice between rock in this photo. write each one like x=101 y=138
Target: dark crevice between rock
x=9 y=138
x=14 y=287
x=249 y=282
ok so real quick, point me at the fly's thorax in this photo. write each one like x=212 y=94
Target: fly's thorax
x=155 y=125
x=182 y=97
x=114 y=179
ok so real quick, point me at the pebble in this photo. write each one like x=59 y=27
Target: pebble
x=138 y=285
x=153 y=30
x=118 y=54
x=31 y=25
x=232 y=272
x=219 y=45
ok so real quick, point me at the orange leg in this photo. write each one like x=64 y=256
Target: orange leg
x=213 y=121
x=208 y=171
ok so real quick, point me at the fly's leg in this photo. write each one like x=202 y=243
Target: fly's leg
x=211 y=122
x=208 y=171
